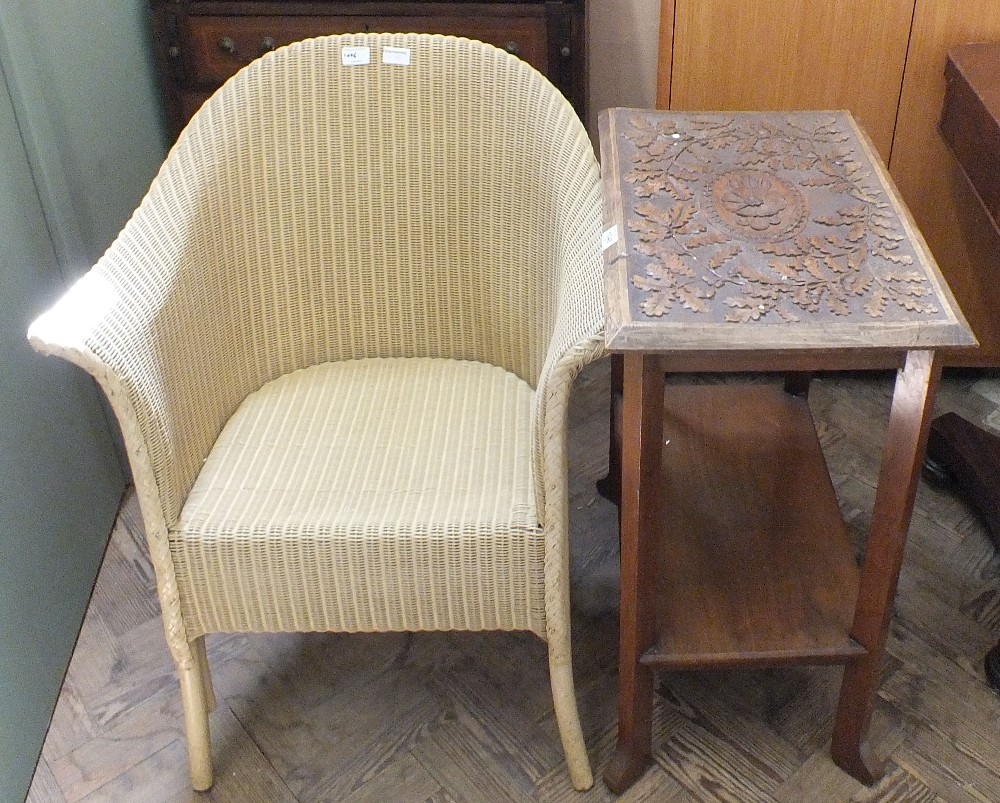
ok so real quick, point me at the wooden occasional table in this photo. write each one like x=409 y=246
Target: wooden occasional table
x=765 y=243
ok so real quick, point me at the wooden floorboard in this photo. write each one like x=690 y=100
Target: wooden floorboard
x=444 y=718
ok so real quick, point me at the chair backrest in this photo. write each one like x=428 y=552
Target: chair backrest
x=315 y=210
x=379 y=209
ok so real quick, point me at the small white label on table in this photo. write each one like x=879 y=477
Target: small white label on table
x=609 y=238
x=356 y=56
x=396 y=55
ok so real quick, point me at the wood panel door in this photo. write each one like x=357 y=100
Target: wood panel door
x=745 y=55
x=954 y=224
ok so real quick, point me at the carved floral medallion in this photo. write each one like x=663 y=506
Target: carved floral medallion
x=757 y=205
x=763 y=217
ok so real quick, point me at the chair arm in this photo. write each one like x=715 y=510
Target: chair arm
x=577 y=339
x=63 y=329
x=152 y=356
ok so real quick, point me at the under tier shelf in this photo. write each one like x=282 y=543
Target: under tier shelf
x=755 y=563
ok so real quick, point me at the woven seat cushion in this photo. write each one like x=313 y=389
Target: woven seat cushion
x=379 y=494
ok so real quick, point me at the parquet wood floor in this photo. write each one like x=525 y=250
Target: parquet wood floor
x=468 y=717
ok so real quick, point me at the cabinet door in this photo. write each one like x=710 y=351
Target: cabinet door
x=791 y=54
x=946 y=210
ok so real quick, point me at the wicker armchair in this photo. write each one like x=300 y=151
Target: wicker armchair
x=339 y=335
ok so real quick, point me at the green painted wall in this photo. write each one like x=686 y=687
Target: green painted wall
x=80 y=139
x=59 y=479
x=84 y=86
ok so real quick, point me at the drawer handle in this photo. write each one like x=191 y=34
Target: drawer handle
x=565 y=51
x=227 y=45
x=512 y=47
x=267 y=44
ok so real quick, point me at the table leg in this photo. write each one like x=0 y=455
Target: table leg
x=905 y=443
x=610 y=487
x=642 y=441
x=797 y=383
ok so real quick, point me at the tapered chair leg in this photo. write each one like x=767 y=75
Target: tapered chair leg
x=201 y=658
x=568 y=717
x=196 y=708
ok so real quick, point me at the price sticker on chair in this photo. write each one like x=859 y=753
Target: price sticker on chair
x=399 y=56
x=356 y=56
x=609 y=238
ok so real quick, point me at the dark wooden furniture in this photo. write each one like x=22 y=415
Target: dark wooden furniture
x=200 y=44
x=764 y=243
x=969 y=459
x=966 y=458
x=970 y=119
x=970 y=125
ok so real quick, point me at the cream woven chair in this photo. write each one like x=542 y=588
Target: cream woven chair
x=340 y=334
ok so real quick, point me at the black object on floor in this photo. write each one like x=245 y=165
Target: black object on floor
x=966 y=458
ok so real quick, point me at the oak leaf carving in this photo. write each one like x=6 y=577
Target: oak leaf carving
x=811 y=264
x=857 y=232
x=838 y=305
x=658 y=303
x=857 y=285
x=918 y=306
x=903 y=276
x=643 y=131
x=751 y=274
x=706 y=239
x=673 y=265
x=834 y=264
x=782 y=249
x=899 y=259
x=723 y=255
x=783 y=269
x=743 y=310
x=819 y=181
x=638 y=175
x=694 y=299
x=876 y=304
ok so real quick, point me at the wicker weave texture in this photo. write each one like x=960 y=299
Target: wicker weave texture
x=345 y=212
x=340 y=335
x=372 y=495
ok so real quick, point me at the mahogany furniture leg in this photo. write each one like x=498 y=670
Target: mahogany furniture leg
x=797 y=383
x=905 y=443
x=611 y=486
x=642 y=441
x=970 y=458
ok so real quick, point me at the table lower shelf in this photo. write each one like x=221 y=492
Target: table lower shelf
x=755 y=564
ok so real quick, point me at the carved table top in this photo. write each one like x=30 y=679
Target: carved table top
x=758 y=231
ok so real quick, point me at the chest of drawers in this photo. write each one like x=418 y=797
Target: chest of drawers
x=201 y=44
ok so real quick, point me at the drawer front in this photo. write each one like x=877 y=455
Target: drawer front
x=219 y=46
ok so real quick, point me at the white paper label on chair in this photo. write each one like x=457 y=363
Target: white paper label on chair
x=356 y=56
x=609 y=238
x=396 y=55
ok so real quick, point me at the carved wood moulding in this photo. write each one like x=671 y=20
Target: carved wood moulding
x=763 y=218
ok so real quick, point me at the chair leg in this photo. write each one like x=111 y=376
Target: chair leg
x=195 y=699
x=568 y=717
x=201 y=658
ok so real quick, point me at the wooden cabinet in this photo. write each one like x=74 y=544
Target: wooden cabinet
x=764 y=55
x=201 y=44
x=950 y=216
x=882 y=59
